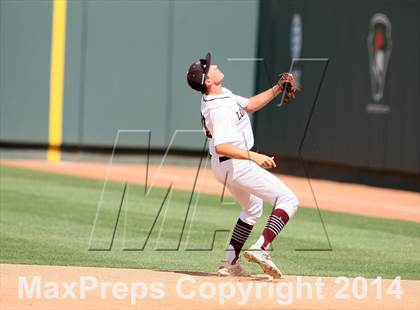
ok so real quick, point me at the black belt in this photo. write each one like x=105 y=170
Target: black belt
x=225 y=158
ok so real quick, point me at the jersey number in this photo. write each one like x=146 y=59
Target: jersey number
x=203 y=122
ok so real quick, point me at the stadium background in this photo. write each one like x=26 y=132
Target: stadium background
x=122 y=68
x=125 y=65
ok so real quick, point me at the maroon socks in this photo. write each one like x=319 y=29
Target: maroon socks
x=240 y=234
x=275 y=224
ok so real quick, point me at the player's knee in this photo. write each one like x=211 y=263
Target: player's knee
x=293 y=209
x=251 y=216
x=289 y=204
x=294 y=200
x=294 y=204
x=257 y=212
x=247 y=218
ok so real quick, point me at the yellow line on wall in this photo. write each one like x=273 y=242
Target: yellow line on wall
x=58 y=49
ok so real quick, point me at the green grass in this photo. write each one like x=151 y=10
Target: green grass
x=48 y=218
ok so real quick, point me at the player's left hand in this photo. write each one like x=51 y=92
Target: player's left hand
x=287 y=84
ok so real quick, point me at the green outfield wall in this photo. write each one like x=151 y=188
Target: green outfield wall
x=350 y=126
x=126 y=64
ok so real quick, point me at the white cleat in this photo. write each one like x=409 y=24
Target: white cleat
x=227 y=269
x=263 y=259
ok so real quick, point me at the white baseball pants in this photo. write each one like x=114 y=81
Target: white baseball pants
x=250 y=185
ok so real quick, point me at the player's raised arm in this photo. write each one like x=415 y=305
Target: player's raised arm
x=259 y=101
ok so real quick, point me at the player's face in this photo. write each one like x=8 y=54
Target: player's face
x=215 y=75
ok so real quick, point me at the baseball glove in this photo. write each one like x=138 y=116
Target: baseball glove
x=287 y=84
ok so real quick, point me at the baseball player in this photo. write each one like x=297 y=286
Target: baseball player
x=226 y=123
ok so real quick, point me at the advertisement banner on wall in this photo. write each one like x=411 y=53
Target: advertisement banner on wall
x=379 y=43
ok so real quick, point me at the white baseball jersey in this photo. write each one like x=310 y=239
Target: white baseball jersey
x=225 y=120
